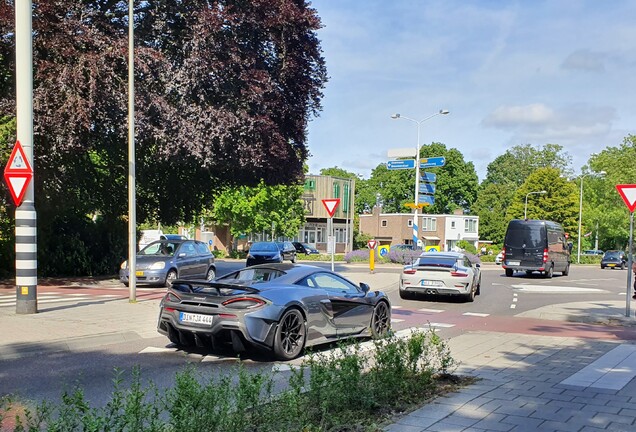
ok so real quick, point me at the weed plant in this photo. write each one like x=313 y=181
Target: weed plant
x=355 y=387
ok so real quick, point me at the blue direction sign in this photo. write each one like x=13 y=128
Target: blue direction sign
x=429 y=177
x=432 y=162
x=426 y=199
x=427 y=188
x=401 y=164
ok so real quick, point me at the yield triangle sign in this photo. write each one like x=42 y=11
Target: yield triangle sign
x=18 y=162
x=331 y=205
x=17 y=183
x=628 y=193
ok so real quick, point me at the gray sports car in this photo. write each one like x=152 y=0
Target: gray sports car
x=281 y=308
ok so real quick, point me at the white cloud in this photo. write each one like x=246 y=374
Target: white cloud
x=584 y=60
x=515 y=117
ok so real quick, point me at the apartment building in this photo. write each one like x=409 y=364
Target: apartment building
x=441 y=231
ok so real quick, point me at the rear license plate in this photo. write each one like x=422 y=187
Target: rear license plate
x=513 y=263
x=611 y=265
x=139 y=273
x=187 y=317
x=430 y=283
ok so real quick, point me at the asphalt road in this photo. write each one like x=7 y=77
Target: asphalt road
x=43 y=377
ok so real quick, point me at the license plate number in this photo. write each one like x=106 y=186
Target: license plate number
x=187 y=317
x=430 y=283
x=611 y=265
x=513 y=263
x=139 y=273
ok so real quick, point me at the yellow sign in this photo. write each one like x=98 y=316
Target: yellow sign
x=432 y=248
x=24 y=290
x=413 y=205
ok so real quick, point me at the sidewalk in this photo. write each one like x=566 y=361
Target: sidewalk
x=527 y=382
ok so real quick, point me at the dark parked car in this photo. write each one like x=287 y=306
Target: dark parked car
x=614 y=259
x=287 y=250
x=163 y=261
x=304 y=248
x=280 y=308
x=173 y=237
x=269 y=252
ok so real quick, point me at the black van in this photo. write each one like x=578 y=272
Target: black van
x=535 y=245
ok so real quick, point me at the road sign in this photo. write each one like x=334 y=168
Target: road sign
x=427 y=188
x=413 y=205
x=432 y=248
x=383 y=250
x=401 y=164
x=432 y=162
x=429 y=177
x=371 y=244
x=331 y=205
x=426 y=199
x=18 y=173
x=401 y=152
x=628 y=193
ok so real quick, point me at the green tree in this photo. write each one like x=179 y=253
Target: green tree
x=277 y=209
x=339 y=172
x=559 y=203
x=517 y=163
x=601 y=201
x=491 y=205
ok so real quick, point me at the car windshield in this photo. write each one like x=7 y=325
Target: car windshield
x=264 y=247
x=163 y=248
x=306 y=246
x=613 y=254
x=446 y=262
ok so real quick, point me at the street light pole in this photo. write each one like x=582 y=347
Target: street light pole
x=416 y=233
x=578 y=247
x=525 y=209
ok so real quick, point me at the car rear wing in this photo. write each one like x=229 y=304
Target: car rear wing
x=190 y=286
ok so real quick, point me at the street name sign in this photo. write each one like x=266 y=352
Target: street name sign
x=331 y=205
x=429 y=177
x=18 y=173
x=401 y=164
x=432 y=162
x=401 y=152
x=426 y=199
x=628 y=193
x=427 y=188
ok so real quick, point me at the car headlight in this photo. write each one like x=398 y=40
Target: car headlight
x=124 y=265
x=158 y=265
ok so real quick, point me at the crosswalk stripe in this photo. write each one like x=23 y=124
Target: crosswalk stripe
x=442 y=325
x=396 y=320
x=476 y=314
x=431 y=310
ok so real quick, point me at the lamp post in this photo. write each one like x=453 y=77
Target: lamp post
x=525 y=210
x=417 y=167
x=578 y=247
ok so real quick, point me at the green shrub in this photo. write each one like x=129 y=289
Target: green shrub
x=349 y=388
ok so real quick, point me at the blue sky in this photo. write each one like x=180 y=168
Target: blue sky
x=510 y=72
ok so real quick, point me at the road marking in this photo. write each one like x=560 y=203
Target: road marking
x=431 y=310
x=154 y=350
x=513 y=306
x=396 y=307
x=442 y=325
x=396 y=320
x=554 y=289
x=11 y=301
x=514 y=300
x=476 y=314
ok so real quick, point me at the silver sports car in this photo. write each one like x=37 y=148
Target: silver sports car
x=281 y=308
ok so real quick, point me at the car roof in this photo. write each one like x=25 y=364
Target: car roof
x=443 y=254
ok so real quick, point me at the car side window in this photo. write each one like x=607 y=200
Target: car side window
x=308 y=281
x=201 y=248
x=188 y=248
x=332 y=282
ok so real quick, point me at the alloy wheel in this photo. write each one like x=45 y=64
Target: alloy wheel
x=381 y=321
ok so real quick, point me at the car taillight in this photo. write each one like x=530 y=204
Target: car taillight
x=545 y=255
x=409 y=271
x=243 y=303
x=458 y=274
x=503 y=254
x=171 y=297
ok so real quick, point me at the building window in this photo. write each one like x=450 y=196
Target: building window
x=470 y=225
x=409 y=223
x=385 y=223
x=336 y=190
x=452 y=224
x=428 y=224
x=345 y=204
x=310 y=185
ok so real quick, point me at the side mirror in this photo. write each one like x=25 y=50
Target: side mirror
x=182 y=254
x=477 y=265
x=365 y=288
